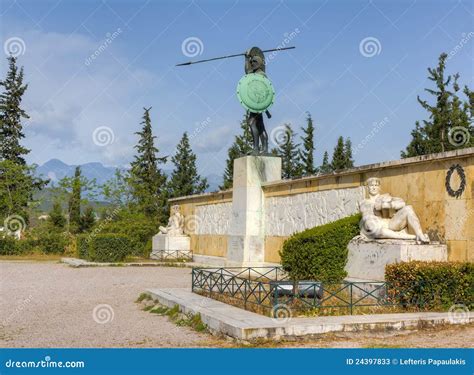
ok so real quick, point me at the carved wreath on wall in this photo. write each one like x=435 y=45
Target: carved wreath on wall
x=462 y=176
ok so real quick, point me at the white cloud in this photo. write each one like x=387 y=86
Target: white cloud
x=67 y=99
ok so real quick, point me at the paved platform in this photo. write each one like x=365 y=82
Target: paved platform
x=229 y=320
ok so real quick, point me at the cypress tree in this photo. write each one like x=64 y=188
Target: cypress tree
x=75 y=201
x=349 y=161
x=11 y=114
x=184 y=179
x=339 y=156
x=307 y=153
x=147 y=181
x=325 y=167
x=242 y=145
x=289 y=154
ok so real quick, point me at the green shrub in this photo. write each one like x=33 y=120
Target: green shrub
x=82 y=246
x=9 y=246
x=320 y=253
x=52 y=243
x=26 y=245
x=431 y=284
x=108 y=248
x=139 y=229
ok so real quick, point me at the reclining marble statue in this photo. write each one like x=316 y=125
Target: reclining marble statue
x=175 y=223
x=387 y=217
x=171 y=242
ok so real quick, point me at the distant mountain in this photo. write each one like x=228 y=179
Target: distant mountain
x=55 y=170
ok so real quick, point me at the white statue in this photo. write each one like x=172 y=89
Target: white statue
x=175 y=223
x=387 y=217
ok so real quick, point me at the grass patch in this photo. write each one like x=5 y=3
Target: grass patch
x=159 y=310
x=35 y=256
x=180 y=319
x=143 y=297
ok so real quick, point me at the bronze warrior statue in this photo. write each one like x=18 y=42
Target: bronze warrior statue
x=255 y=92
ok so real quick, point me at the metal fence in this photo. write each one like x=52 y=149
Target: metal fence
x=173 y=255
x=264 y=289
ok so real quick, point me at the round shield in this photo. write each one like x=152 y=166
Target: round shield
x=255 y=92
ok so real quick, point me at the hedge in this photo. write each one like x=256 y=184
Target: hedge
x=82 y=246
x=52 y=243
x=320 y=253
x=431 y=284
x=139 y=229
x=9 y=246
x=108 y=248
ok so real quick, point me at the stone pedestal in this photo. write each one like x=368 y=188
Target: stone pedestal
x=246 y=238
x=367 y=259
x=167 y=247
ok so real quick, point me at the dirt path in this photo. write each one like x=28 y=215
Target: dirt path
x=52 y=305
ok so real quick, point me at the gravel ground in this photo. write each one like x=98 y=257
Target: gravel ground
x=52 y=305
x=44 y=304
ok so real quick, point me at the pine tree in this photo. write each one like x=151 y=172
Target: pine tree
x=461 y=133
x=348 y=160
x=87 y=220
x=289 y=153
x=242 y=146
x=116 y=190
x=147 y=181
x=307 y=153
x=449 y=111
x=56 y=217
x=325 y=167
x=184 y=179
x=11 y=114
x=338 y=157
x=75 y=201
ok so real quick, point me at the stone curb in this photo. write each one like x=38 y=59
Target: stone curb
x=229 y=320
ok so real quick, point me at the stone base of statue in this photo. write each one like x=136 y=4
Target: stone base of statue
x=246 y=238
x=166 y=247
x=367 y=258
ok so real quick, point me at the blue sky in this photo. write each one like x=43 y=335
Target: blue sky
x=350 y=89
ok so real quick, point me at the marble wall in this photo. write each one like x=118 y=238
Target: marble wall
x=285 y=215
x=213 y=218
